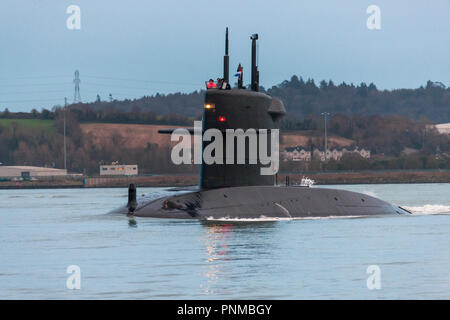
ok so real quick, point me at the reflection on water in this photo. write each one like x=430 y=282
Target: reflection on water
x=228 y=245
x=132 y=222
x=216 y=241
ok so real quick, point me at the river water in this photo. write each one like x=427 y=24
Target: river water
x=43 y=232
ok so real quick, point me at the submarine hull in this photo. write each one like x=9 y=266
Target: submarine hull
x=259 y=202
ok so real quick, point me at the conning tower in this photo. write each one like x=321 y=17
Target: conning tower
x=238 y=108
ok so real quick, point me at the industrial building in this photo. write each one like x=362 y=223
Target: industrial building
x=118 y=170
x=26 y=172
x=443 y=128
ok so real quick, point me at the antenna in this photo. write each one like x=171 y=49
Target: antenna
x=325 y=114
x=76 y=96
x=255 y=72
x=226 y=60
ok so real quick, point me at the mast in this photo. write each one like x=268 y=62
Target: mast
x=226 y=60
x=255 y=72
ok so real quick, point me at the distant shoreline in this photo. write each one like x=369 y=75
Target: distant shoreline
x=183 y=180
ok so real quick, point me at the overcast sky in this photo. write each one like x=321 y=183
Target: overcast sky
x=131 y=48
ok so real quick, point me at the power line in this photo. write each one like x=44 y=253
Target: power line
x=76 y=81
x=142 y=80
x=67 y=84
x=120 y=93
x=117 y=85
x=26 y=92
x=102 y=84
x=35 y=84
x=32 y=100
x=32 y=77
x=101 y=77
x=37 y=76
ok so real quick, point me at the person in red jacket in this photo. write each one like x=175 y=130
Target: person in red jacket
x=211 y=84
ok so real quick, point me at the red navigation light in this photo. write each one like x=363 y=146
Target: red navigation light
x=222 y=119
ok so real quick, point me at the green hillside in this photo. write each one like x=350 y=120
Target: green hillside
x=29 y=123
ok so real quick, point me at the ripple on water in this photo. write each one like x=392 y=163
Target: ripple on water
x=44 y=232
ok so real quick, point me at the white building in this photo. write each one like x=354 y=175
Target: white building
x=296 y=154
x=443 y=128
x=119 y=170
x=336 y=154
x=29 y=171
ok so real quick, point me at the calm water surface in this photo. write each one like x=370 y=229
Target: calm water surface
x=42 y=232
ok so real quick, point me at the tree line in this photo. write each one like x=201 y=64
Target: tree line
x=302 y=98
x=108 y=114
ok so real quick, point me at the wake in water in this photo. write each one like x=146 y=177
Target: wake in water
x=423 y=210
x=429 y=209
x=269 y=219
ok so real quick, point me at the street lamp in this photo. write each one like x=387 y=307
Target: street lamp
x=65 y=157
x=325 y=114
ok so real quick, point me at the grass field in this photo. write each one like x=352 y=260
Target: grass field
x=138 y=135
x=29 y=123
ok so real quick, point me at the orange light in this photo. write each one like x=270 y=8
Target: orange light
x=222 y=119
x=209 y=106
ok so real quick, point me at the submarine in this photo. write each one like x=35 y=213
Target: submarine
x=239 y=191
